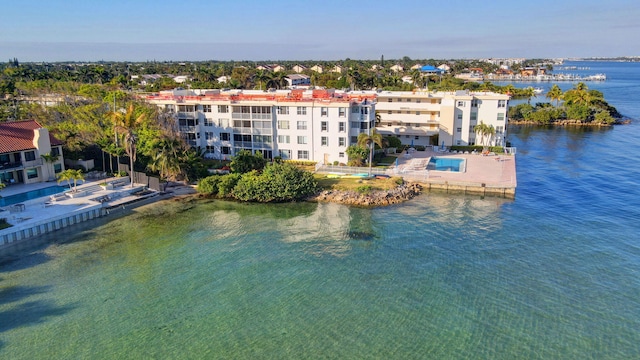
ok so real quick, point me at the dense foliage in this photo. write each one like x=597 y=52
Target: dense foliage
x=578 y=104
x=278 y=182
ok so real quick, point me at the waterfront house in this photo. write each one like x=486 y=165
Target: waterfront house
x=397 y=68
x=22 y=146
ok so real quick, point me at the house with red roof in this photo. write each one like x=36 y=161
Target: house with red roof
x=22 y=146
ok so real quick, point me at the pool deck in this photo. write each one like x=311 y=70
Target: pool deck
x=35 y=211
x=493 y=173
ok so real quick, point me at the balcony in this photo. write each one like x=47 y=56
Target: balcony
x=13 y=165
x=191 y=129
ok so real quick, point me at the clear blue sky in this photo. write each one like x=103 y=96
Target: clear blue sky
x=138 y=30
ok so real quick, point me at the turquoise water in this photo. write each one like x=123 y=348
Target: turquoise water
x=29 y=195
x=550 y=275
x=444 y=164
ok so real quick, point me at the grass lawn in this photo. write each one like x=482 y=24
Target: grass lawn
x=352 y=184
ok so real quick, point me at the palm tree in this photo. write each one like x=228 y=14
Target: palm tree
x=555 y=94
x=50 y=159
x=127 y=124
x=369 y=140
x=528 y=92
x=417 y=78
x=165 y=158
x=509 y=89
x=486 y=132
x=71 y=175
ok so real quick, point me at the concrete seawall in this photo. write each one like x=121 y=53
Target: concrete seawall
x=19 y=233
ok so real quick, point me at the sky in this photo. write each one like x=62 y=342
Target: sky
x=198 y=30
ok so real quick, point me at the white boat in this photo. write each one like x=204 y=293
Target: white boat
x=538 y=91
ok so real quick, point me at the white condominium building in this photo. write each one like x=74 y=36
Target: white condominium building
x=416 y=117
x=315 y=125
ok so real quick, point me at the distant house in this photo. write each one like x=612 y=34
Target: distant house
x=265 y=67
x=416 y=67
x=375 y=67
x=22 y=144
x=429 y=70
x=444 y=67
x=317 y=68
x=181 y=78
x=223 y=79
x=407 y=79
x=299 y=68
x=397 y=68
x=295 y=80
x=338 y=69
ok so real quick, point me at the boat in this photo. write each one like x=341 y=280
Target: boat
x=538 y=91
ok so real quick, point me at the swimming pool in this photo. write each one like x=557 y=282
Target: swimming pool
x=446 y=164
x=33 y=194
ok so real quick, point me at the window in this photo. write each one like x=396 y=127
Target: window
x=284 y=139
x=55 y=151
x=499 y=129
x=303 y=154
x=57 y=168
x=302 y=125
x=342 y=141
x=354 y=139
x=341 y=126
x=417 y=137
x=324 y=141
x=208 y=122
x=459 y=130
x=342 y=112
x=225 y=150
x=461 y=103
x=285 y=154
x=283 y=124
x=390 y=100
x=324 y=111
x=30 y=156
x=471 y=128
x=341 y=154
x=225 y=136
x=500 y=116
x=389 y=112
x=208 y=135
x=355 y=110
x=459 y=116
x=223 y=122
x=474 y=103
x=302 y=110
x=458 y=142
x=502 y=103
x=223 y=108
x=474 y=116
x=324 y=126
x=32 y=173
x=282 y=110
x=206 y=108
x=417 y=112
x=302 y=139
x=210 y=149
x=355 y=125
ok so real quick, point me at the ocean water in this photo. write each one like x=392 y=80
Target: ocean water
x=553 y=274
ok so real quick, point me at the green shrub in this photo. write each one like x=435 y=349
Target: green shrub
x=209 y=185
x=277 y=183
x=399 y=180
x=227 y=183
x=364 y=189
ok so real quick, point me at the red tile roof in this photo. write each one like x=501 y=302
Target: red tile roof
x=18 y=136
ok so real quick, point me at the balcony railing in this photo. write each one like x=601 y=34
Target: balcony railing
x=12 y=165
